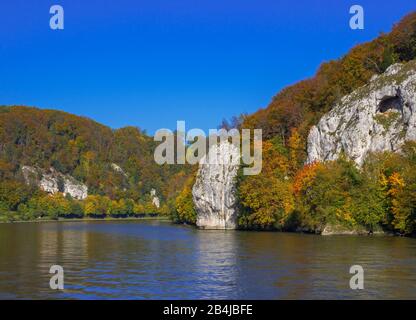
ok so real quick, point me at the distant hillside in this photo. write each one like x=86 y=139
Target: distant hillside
x=118 y=163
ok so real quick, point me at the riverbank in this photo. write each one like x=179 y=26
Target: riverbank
x=159 y=218
x=328 y=231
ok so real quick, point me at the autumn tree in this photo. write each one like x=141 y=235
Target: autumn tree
x=185 y=210
x=267 y=198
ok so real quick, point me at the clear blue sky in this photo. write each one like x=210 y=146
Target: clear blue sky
x=150 y=63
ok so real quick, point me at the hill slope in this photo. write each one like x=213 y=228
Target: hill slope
x=117 y=164
x=318 y=196
x=331 y=195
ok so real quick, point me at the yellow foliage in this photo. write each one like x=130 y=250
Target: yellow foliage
x=184 y=203
x=268 y=197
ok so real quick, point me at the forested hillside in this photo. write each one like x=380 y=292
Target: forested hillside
x=291 y=196
x=87 y=151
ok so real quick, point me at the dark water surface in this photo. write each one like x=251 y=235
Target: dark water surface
x=158 y=260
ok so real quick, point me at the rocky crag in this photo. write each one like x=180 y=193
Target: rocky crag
x=52 y=181
x=214 y=192
x=377 y=117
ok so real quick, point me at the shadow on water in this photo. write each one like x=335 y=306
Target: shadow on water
x=158 y=260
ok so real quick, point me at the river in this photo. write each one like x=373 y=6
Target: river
x=160 y=260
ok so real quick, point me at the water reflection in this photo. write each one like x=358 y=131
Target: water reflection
x=216 y=267
x=144 y=260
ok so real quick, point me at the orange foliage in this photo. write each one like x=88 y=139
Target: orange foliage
x=305 y=177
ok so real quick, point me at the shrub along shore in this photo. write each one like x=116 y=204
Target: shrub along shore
x=45 y=220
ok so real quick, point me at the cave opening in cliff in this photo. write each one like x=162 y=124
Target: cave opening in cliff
x=391 y=104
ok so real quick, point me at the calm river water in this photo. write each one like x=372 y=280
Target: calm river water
x=159 y=260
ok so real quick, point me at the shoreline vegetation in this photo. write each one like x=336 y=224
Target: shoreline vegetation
x=330 y=230
x=86 y=219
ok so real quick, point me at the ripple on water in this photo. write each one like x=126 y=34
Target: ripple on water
x=158 y=260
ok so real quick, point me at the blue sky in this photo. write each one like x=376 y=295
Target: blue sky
x=151 y=63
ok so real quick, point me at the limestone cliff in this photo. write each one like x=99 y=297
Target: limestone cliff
x=155 y=198
x=214 y=192
x=379 y=116
x=52 y=181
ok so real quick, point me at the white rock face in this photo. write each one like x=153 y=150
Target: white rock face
x=155 y=198
x=377 y=117
x=53 y=182
x=214 y=192
x=118 y=169
x=76 y=189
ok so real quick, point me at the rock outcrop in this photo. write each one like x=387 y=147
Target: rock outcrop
x=338 y=230
x=52 y=181
x=119 y=170
x=155 y=198
x=377 y=117
x=214 y=192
